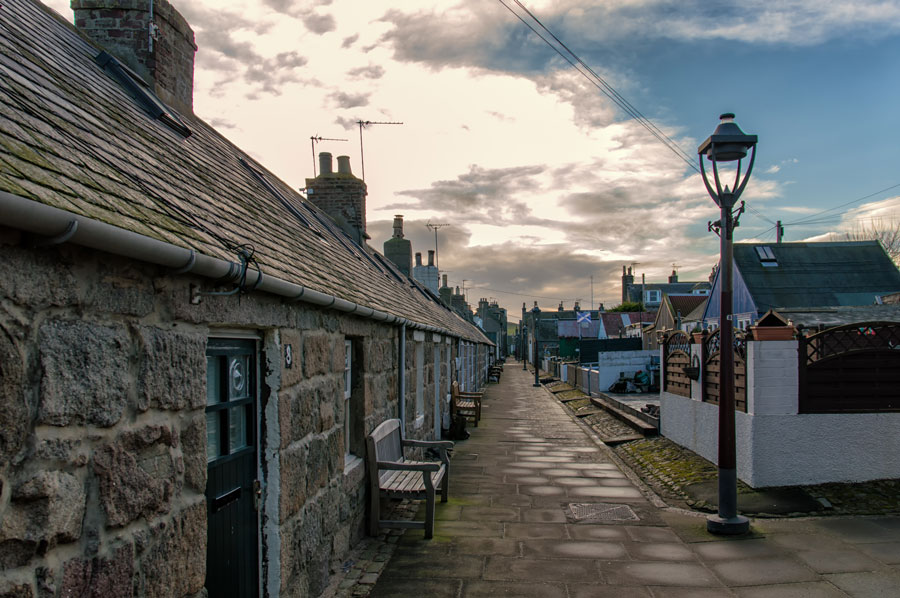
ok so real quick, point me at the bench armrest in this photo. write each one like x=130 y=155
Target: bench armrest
x=394 y=465
x=438 y=444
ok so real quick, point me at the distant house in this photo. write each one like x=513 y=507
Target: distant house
x=676 y=312
x=651 y=293
x=790 y=276
x=494 y=324
x=191 y=352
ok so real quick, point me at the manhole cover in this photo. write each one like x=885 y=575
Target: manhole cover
x=602 y=512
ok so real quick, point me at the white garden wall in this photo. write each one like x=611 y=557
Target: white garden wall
x=776 y=446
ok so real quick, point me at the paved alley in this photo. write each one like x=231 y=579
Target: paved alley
x=538 y=508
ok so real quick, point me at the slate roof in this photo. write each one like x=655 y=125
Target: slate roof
x=817 y=274
x=812 y=317
x=72 y=138
x=685 y=303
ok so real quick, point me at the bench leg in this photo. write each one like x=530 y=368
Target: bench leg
x=445 y=485
x=374 y=514
x=429 y=515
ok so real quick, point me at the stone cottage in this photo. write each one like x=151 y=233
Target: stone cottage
x=191 y=352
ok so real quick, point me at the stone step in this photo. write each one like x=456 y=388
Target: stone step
x=635 y=419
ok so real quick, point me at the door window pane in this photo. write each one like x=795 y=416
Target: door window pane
x=237 y=428
x=213 y=441
x=213 y=380
x=239 y=377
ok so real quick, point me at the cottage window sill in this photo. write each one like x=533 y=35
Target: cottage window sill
x=351 y=462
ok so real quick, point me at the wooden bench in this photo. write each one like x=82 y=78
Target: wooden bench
x=467 y=404
x=392 y=476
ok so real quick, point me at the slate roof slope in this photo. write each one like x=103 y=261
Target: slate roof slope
x=811 y=317
x=817 y=274
x=685 y=303
x=72 y=138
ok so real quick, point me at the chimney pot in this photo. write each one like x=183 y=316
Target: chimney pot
x=418 y=259
x=445 y=280
x=324 y=163
x=398 y=226
x=344 y=165
x=431 y=257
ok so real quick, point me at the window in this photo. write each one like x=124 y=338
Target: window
x=230 y=392
x=437 y=387
x=354 y=403
x=420 y=383
x=652 y=296
x=766 y=257
x=348 y=393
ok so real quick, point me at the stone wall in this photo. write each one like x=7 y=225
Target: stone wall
x=103 y=436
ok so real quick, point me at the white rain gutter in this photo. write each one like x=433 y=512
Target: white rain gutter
x=61 y=226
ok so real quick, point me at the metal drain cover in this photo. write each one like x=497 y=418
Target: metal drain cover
x=602 y=512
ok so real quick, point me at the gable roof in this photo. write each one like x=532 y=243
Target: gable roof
x=685 y=303
x=815 y=274
x=72 y=137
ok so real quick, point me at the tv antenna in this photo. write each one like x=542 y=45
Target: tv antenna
x=435 y=227
x=362 y=124
x=313 y=141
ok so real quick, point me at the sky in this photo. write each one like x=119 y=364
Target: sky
x=547 y=187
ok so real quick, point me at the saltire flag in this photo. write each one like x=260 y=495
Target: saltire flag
x=584 y=317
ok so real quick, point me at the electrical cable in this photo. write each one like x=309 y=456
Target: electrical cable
x=601 y=84
x=813 y=216
x=624 y=103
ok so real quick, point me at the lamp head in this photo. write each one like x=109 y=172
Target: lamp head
x=728 y=142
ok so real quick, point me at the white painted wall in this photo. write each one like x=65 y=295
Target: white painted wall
x=610 y=363
x=776 y=446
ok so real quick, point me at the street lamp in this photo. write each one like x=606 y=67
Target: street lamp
x=524 y=336
x=536 y=313
x=727 y=144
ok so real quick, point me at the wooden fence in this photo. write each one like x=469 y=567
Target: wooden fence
x=679 y=370
x=851 y=368
x=678 y=357
x=710 y=351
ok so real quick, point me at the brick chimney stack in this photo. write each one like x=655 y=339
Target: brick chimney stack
x=398 y=249
x=148 y=36
x=340 y=195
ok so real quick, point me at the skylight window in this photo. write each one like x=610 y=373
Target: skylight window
x=766 y=256
x=141 y=92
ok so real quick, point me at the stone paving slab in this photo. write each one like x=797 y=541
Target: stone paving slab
x=511 y=528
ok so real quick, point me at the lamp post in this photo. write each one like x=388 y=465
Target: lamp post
x=727 y=144
x=536 y=313
x=524 y=336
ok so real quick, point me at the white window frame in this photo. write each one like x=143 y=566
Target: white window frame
x=348 y=392
x=420 y=384
x=437 y=387
x=655 y=294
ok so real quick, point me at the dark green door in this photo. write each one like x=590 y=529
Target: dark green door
x=231 y=488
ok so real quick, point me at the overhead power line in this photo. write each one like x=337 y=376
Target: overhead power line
x=522 y=294
x=808 y=219
x=597 y=81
